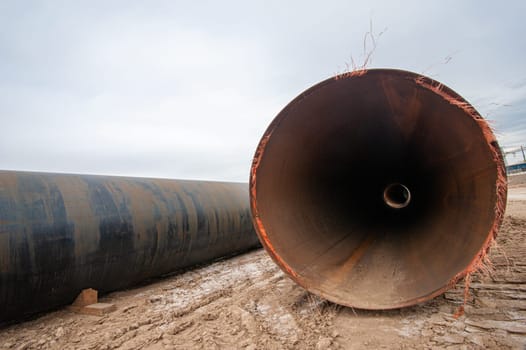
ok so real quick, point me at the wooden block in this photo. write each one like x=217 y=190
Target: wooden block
x=87 y=303
x=86 y=297
x=98 y=309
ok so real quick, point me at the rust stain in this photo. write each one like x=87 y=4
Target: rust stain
x=501 y=185
x=358 y=72
x=341 y=273
x=258 y=224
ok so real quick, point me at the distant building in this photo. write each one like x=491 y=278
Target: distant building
x=517 y=165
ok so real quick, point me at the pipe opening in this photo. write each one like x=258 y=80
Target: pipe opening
x=374 y=191
x=397 y=196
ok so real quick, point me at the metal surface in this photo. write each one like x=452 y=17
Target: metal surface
x=62 y=233
x=320 y=171
x=397 y=196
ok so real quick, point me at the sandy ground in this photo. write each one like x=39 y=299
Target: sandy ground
x=248 y=303
x=518 y=193
x=515 y=180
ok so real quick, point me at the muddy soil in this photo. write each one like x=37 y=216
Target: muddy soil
x=247 y=303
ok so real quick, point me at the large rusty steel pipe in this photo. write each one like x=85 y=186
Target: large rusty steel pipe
x=378 y=189
x=62 y=233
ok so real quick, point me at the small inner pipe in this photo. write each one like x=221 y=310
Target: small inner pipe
x=397 y=196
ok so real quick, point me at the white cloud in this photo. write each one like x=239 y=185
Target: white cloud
x=179 y=90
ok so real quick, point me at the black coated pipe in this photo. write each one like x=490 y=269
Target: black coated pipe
x=62 y=233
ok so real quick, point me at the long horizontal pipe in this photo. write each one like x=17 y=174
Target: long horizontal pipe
x=62 y=233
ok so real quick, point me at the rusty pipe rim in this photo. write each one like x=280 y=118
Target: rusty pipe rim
x=449 y=97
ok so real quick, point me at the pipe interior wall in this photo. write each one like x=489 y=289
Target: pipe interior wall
x=321 y=170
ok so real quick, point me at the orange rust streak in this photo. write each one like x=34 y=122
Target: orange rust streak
x=354 y=73
x=258 y=224
x=501 y=187
x=356 y=255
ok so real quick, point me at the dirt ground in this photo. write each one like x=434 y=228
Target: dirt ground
x=515 y=180
x=247 y=303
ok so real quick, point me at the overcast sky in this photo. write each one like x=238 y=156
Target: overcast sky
x=185 y=89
